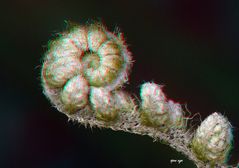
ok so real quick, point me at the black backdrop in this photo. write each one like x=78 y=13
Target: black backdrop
x=188 y=46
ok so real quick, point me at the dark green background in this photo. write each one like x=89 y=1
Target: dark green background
x=191 y=47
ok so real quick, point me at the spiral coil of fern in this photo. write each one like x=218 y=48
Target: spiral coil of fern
x=82 y=60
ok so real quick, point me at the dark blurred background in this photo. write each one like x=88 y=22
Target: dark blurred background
x=191 y=47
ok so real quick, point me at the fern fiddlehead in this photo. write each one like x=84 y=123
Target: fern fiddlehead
x=82 y=75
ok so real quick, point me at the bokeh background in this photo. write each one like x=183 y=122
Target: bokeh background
x=191 y=47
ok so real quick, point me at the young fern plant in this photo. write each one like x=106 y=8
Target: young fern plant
x=82 y=75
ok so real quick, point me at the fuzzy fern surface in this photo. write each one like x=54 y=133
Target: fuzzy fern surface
x=83 y=74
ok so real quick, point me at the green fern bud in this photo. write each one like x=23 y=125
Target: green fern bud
x=213 y=139
x=154 y=111
x=103 y=104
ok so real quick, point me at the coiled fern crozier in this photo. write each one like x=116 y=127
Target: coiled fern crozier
x=82 y=75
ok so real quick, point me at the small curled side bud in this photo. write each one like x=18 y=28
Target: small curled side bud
x=123 y=101
x=157 y=111
x=103 y=104
x=153 y=107
x=213 y=139
x=176 y=114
